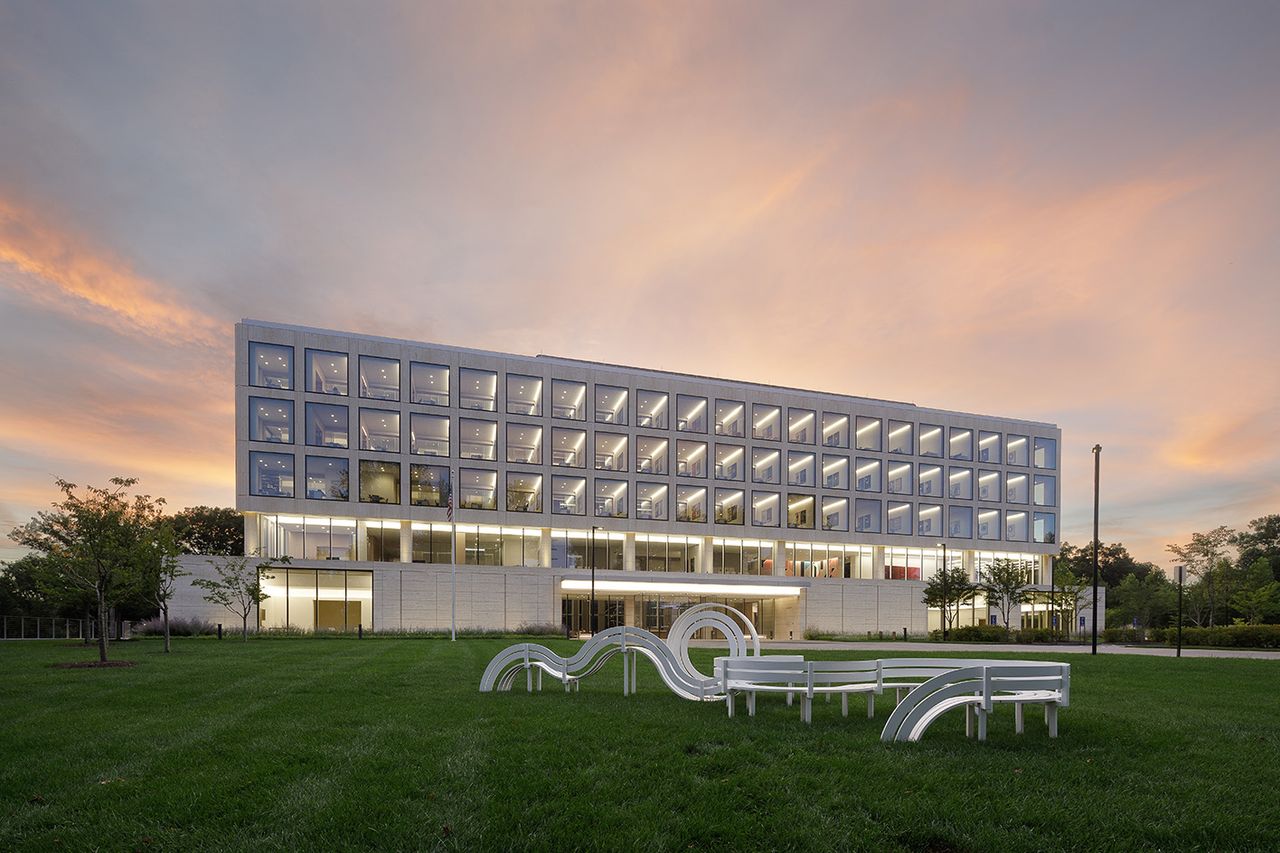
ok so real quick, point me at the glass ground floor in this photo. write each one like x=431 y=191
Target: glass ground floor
x=316 y=600
x=656 y=613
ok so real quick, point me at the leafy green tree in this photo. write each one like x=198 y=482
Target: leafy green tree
x=90 y=541
x=238 y=585
x=1149 y=600
x=1201 y=556
x=1258 y=598
x=1115 y=563
x=947 y=590
x=209 y=531
x=1069 y=589
x=1004 y=583
x=1260 y=540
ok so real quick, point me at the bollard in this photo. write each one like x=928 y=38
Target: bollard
x=904 y=635
x=219 y=630
x=360 y=631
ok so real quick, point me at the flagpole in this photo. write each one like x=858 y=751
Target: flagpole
x=453 y=568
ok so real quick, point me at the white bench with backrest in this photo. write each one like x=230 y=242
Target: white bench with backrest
x=785 y=674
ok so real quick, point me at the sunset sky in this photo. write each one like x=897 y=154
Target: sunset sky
x=1062 y=211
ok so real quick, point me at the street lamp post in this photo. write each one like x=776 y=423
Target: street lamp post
x=1097 y=466
x=1181 y=573
x=594 y=528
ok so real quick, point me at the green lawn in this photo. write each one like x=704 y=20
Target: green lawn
x=336 y=743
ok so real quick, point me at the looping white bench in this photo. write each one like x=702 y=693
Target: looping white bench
x=932 y=687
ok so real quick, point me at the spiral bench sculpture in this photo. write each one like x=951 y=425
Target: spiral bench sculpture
x=932 y=686
x=669 y=657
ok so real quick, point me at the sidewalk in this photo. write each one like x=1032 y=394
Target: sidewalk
x=925 y=649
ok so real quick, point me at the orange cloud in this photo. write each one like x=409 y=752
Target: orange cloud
x=62 y=271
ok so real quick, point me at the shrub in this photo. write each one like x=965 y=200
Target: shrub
x=1234 y=636
x=976 y=634
x=540 y=629
x=1035 y=635
x=177 y=628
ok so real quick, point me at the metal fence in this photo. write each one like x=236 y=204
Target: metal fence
x=53 y=628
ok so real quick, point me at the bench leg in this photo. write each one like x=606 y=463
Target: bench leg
x=828 y=697
x=1051 y=716
x=539 y=681
x=528 y=677
x=982 y=724
x=1019 y=718
x=806 y=709
x=844 y=704
x=871 y=706
x=626 y=674
x=897 y=696
x=728 y=701
x=790 y=697
x=968 y=721
x=751 y=704
x=635 y=659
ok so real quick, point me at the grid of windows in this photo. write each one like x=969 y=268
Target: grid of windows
x=987 y=484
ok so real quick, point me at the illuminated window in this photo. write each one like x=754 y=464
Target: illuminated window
x=989 y=485
x=800 y=468
x=651 y=501
x=610 y=452
x=960 y=520
x=898 y=518
x=270 y=366
x=568 y=448
x=1046 y=527
x=866 y=515
x=691 y=504
x=524 y=443
x=271 y=474
x=429 y=384
x=611 y=499
x=1017 y=450
x=1046 y=453
x=766 y=465
x=868 y=435
x=611 y=405
x=691 y=413
x=568 y=495
x=731 y=462
x=1046 y=490
x=731 y=418
x=652 y=408
x=766 y=509
x=477 y=389
x=568 y=400
x=960 y=484
x=429 y=485
x=866 y=473
x=730 y=506
x=477 y=439
x=327 y=425
x=1015 y=488
x=524 y=492
x=524 y=395
x=271 y=420
x=960 y=444
x=379 y=482
x=800 y=511
x=835 y=472
x=380 y=430
x=651 y=455
x=899 y=478
x=428 y=434
x=379 y=378
x=691 y=458
x=766 y=422
x=328 y=478
x=988 y=523
x=835 y=513
x=835 y=430
x=1015 y=525
x=801 y=425
x=326 y=372
x=929 y=520
x=929 y=481
x=989 y=447
x=930 y=440
x=477 y=489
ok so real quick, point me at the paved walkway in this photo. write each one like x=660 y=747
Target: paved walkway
x=925 y=649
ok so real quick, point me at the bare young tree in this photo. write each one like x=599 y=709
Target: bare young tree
x=92 y=541
x=238 y=585
x=158 y=572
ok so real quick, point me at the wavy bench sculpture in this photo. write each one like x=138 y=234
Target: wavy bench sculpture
x=670 y=656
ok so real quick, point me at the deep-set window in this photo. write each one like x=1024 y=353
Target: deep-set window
x=800 y=511
x=651 y=501
x=477 y=389
x=270 y=365
x=960 y=484
x=930 y=440
x=731 y=418
x=866 y=515
x=568 y=399
x=899 y=478
x=1045 y=490
x=1045 y=454
x=328 y=478
x=989 y=447
x=524 y=395
x=610 y=452
x=899 y=518
x=326 y=372
x=477 y=489
x=271 y=420
x=568 y=447
x=651 y=455
x=524 y=492
x=866 y=474
x=960 y=444
x=868 y=434
x=801 y=468
x=477 y=439
x=766 y=465
x=380 y=430
x=691 y=504
x=326 y=425
x=568 y=495
x=835 y=430
x=1017 y=450
x=730 y=506
x=731 y=462
x=271 y=474
x=691 y=458
x=429 y=384
x=611 y=499
x=379 y=378
x=428 y=434
x=524 y=443
x=802 y=425
x=766 y=422
x=766 y=509
x=835 y=513
x=379 y=482
x=691 y=413
x=611 y=405
x=989 y=485
x=429 y=485
x=652 y=408
x=901 y=437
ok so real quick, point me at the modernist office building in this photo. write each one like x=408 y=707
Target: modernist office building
x=377 y=464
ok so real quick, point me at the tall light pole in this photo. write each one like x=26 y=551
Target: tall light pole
x=1097 y=467
x=594 y=528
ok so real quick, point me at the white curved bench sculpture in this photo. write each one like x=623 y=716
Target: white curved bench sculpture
x=977 y=686
x=670 y=657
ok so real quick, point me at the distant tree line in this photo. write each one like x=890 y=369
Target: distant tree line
x=1232 y=578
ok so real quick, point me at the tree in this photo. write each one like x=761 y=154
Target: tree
x=238 y=585
x=1149 y=600
x=947 y=590
x=157 y=573
x=1261 y=539
x=1005 y=583
x=1201 y=556
x=209 y=531
x=1258 y=598
x=91 y=541
x=1070 y=589
x=1115 y=563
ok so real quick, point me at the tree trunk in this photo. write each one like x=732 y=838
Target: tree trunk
x=164 y=617
x=85 y=633
x=244 y=627
x=102 y=626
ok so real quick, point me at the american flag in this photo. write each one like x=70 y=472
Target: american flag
x=450 y=505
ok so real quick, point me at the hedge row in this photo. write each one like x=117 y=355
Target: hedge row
x=1230 y=636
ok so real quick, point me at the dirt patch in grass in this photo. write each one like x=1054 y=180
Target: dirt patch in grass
x=93 y=664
